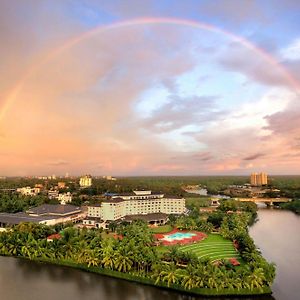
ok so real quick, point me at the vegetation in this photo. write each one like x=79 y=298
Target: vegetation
x=197 y=202
x=162 y=229
x=293 y=206
x=136 y=258
x=15 y=203
x=214 y=247
x=288 y=185
x=133 y=255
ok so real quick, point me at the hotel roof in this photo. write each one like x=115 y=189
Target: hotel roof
x=114 y=200
x=17 y=218
x=54 y=209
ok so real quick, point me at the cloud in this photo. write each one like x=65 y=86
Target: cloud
x=78 y=111
x=58 y=163
x=181 y=111
x=254 y=68
x=254 y=156
x=291 y=51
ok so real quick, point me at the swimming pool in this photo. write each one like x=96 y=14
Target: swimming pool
x=178 y=236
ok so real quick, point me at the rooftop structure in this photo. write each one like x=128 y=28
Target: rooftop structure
x=47 y=214
x=53 y=209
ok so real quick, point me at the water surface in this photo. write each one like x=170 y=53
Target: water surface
x=276 y=233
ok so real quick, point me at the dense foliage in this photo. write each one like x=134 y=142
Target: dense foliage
x=13 y=203
x=133 y=254
x=293 y=206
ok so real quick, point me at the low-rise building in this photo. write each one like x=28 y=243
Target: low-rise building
x=53 y=194
x=48 y=214
x=65 y=198
x=29 y=191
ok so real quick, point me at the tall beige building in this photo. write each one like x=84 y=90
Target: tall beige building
x=259 y=179
x=85 y=181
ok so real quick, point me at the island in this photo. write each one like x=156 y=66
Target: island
x=147 y=237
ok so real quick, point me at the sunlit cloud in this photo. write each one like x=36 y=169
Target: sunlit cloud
x=149 y=99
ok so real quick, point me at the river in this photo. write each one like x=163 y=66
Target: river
x=276 y=233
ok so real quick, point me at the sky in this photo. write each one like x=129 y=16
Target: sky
x=165 y=87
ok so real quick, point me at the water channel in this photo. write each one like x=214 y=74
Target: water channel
x=276 y=233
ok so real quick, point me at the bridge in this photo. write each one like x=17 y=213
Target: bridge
x=268 y=201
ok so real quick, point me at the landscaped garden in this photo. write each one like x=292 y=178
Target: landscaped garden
x=193 y=263
x=214 y=247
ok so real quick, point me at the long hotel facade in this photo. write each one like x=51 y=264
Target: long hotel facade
x=139 y=204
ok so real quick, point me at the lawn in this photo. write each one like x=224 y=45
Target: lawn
x=162 y=229
x=214 y=247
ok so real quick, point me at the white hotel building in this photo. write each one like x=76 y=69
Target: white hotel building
x=146 y=205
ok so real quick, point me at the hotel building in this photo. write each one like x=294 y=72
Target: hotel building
x=153 y=208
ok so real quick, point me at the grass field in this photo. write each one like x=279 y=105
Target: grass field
x=162 y=229
x=214 y=247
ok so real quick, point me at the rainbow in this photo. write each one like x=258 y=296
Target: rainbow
x=12 y=96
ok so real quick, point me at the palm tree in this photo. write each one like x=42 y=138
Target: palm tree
x=123 y=263
x=171 y=275
x=190 y=277
x=256 y=278
x=92 y=258
x=108 y=259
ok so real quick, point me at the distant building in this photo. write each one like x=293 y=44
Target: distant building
x=109 y=177
x=258 y=179
x=39 y=185
x=65 y=198
x=29 y=191
x=61 y=185
x=53 y=194
x=85 y=181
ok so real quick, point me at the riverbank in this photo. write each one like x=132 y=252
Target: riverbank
x=147 y=281
x=276 y=234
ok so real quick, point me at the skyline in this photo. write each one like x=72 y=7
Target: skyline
x=113 y=88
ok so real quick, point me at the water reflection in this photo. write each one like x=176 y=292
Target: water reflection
x=27 y=280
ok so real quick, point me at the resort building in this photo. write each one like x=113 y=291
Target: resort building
x=85 y=181
x=153 y=208
x=48 y=214
x=258 y=179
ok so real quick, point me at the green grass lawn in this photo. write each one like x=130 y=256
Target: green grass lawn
x=214 y=247
x=162 y=229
